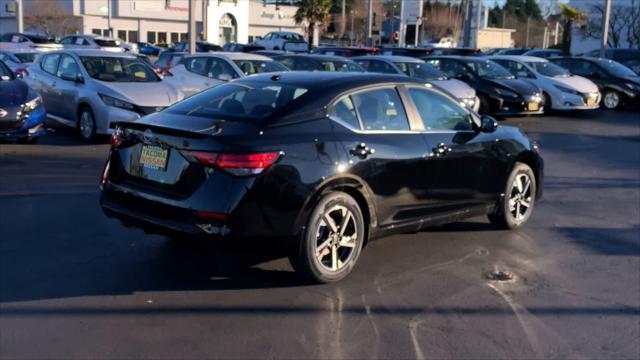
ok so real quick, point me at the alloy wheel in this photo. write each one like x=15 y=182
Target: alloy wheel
x=520 y=198
x=336 y=238
x=611 y=100
x=86 y=125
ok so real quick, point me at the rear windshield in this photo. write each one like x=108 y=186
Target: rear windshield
x=238 y=101
x=107 y=43
x=116 y=69
x=250 y=67
x=39 y=40
x=421 y=71
x=26 y=58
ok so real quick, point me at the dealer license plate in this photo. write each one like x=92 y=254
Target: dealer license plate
x=591 y=102
x=533 y=106
x=154 y=157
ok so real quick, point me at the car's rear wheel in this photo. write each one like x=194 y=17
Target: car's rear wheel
x=332 y=240
x=86 y=124
x=611 y=99
x=516 y=206
x=485 y=107
x=547 y=104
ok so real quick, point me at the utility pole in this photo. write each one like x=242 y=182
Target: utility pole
x=555 y=34
x=205 y=20
x=19 y=16
x=351 y=35
x=370 y=24
x=403 y=21
x=192 y=26
x=605 y=27
x=544 y=38
x=109 y=30
x=466 y=39
x=527 y=41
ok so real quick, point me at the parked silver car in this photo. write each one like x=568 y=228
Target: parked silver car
x=204 y=70
x=389 y=64
x=18 y=60
x=91 y=42
x=91 y=89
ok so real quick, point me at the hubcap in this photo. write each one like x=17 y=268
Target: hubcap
x=86 y=124
x=520 y=198
x=611 y=100
x=336 y=238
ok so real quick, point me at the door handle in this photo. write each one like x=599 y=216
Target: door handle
x=362 y=151
x=440 y=150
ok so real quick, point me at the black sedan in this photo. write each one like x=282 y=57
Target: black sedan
x=500 y=93
x=320 y=162
x=314 y=62
x=618 y=84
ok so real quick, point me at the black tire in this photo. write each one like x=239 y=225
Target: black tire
x=313 y=264
x=505 y=215
x=547 y=104
x=90 y=134
x=28 y=141
x=485 y=106
x=609 y=104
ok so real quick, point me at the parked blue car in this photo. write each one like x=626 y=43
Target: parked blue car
x=149 y=49
x=22 y=115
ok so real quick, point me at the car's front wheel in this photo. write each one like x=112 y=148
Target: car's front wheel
x=611 y=99
x=86 y=124
x=332 y=240
x=516 y=206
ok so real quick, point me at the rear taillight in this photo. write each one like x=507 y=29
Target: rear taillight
x=236 y=164
x=117 y=138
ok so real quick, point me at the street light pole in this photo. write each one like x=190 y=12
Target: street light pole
x=370 y=24
x=192 y=26
x=527 y=41
x=109 y=31
x=605 y=27
x=19 y=16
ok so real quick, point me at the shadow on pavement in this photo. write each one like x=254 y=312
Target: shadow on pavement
x=605 y=241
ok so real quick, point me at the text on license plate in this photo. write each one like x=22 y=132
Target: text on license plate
x=153 y=157
x=533 y=106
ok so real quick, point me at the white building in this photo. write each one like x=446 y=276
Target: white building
x=166 y=21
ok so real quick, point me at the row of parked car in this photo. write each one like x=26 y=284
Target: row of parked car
x=91 y=90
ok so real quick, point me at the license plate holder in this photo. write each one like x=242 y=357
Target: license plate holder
x=533 y=106
x=154 y=157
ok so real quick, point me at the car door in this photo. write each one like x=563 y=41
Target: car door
x=462 y=162
x=383 y=149
x=46 y=82
x=195 y=76
x=68 y=87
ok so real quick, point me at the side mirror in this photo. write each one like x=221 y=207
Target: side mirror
x=488 y=124
x=225 y=77
x=75 y=77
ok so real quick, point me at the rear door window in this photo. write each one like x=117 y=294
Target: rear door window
x=67 y=67
x=198 y=65
x=344 y=111
x=50 y=63
x=381 y=110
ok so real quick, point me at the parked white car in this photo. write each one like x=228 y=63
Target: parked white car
x=91 y=42
x=201 y=71
x=31 y=42
x=561 y=89
x=283 y=40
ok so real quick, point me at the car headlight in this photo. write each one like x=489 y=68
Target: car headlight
x=632 y=86
x=506 y=92
x=111 y=101
x=32 y=104
x=566 y=89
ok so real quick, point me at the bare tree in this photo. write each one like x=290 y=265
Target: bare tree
x=50 y=18
x=624 y=25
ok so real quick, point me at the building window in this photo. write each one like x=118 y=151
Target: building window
x=122 y=35
x=251 y=39
x=162 y=37
x=184 y=36
x=175 y=37
x=105 y=32
x=151 y=37
x=96 y=31
x=133 y=36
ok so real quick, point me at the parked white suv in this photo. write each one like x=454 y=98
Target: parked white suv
x=91 y=42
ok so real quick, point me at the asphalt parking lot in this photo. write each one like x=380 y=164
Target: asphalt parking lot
x=74 y=284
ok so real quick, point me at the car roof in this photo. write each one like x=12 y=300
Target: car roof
x=232 y=55
x=522 y=58
x=392 y=58
x=96 y=53
x=95 y=37
x=457 y=58
x=317 y=57
x=327 y=79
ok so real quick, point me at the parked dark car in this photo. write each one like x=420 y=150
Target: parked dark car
x=411 y=52
x=507 y=51
x=618 y=84
x=456 y=51
x=234 y=47
x=499 y=91
x=149 y=49
x=345 y=51
x=541 y=53
x=22 y=115
x=627 y=57
x=313 y=62
x=318 y=163
x=201 y=46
